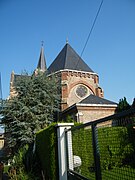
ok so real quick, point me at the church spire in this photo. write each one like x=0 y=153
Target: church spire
x=42 y=62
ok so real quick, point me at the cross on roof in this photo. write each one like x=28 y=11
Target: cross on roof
x=42 y=43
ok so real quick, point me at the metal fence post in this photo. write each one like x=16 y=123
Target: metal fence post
x=62 y=154
x=96 y=152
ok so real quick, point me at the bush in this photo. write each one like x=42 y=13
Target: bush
x=46 y=147
x=6 y=168
x=116 y=147
x=17 y=169
x=82 y=147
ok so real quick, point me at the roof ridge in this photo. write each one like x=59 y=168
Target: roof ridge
x=66 y=51
x=67 y=48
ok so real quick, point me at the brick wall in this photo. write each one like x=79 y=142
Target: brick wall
x=71 y=79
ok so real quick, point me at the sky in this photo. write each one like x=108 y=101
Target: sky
x=110 y=51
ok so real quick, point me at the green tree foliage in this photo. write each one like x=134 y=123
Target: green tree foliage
x=32 y=109
x=17 y=170
x=123 y=105
x=127 y=120
x=133 y=104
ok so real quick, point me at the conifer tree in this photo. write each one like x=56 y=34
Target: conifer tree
x=133 y=104
x=33 y=108
x=123 y=105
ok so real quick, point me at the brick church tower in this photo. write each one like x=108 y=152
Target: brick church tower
x=78 y=80
x=81 y=95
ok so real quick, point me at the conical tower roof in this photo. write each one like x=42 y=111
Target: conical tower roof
x=68 y=59
x=42 y=62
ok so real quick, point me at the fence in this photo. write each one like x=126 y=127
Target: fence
x=102 y=149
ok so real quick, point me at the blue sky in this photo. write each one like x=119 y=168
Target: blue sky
x=110 y=51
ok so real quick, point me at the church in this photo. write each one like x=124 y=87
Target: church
x=81 y=96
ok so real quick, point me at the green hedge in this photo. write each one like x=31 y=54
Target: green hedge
x=82 y=147
x=116 y=147
x=46 y=146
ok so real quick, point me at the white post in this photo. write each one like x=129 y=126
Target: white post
x=62 y=154
x=70 y=150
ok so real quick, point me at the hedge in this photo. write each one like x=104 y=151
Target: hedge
x=116 y=147
x=46 y=147
x=82 y=147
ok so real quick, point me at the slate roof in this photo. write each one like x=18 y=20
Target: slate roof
x=92 y=99
x=68 y=59
x=42 y=62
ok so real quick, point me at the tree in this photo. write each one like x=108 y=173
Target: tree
x=123 y=105
x=37 y=100
x=124 y=121
x=133 y=104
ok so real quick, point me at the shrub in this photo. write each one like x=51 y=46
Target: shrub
x=17 y=169
x=116 y=147
x=46 y=147
x=82 y=147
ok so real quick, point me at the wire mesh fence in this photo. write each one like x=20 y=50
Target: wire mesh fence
x=105 y=149
x=83 y=152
